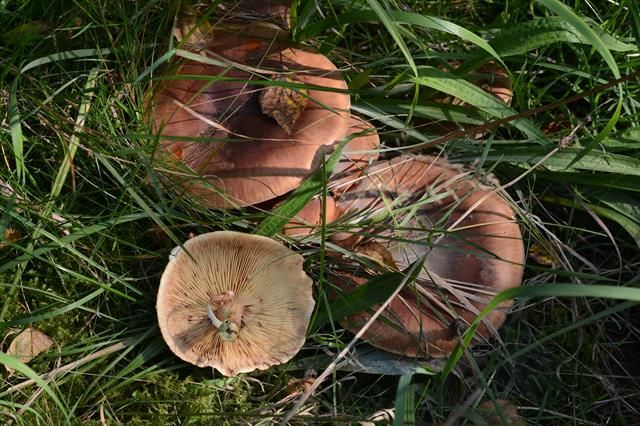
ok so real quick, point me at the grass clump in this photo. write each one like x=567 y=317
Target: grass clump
x=79 y=184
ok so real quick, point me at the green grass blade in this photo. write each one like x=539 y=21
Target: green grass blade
x=565 y=160
x=312 y=186
x=567 y=14
x=574 y=326
x=71 y=149
x=15 y=127
x=389 y=120
x=405 y=402
x=542 y=32
x=391 y=26
x=374 y=292
x=62 y=56
x=52 y=314
x=161 y=60
x=434 y=23
x=616 y=181
x=608 y=128
x=13 y=363
x=198 y=58
x=68 y=241
x=626 y=214
x=117 y=373
x=635 y=15
x=583 y=29
x=402 y=17
x=543 y=290
x=144 y=205
x=473 y=95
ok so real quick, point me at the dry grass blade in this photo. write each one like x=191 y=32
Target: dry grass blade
x=75 y=364
x=334 y=364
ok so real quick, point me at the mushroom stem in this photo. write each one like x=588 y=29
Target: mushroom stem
x=215 y=321
x=226 y=329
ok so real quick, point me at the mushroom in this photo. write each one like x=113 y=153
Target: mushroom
x=491 y=78
x=464 y=267
x=246 y=143
x=358 y=153
x=310 y=217
x=233 y=301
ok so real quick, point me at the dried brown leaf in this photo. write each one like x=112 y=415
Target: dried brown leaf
x=540 y=254
x=11 y=235
x=28 y=345
x=501 y=413
x=283 y=104
x=377 y=253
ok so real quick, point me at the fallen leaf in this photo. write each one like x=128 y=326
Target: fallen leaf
x=191 y=30
x=28 y=345
x=297 y=386
x=377 y=253
x=540 y=254
x=283 y=104
x=494 y=414
x=10 y=236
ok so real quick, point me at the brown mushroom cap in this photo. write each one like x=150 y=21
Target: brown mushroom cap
x=242 y=156
x=252 y=284
x=481 y=257
x=356 y=155
x=310 y=217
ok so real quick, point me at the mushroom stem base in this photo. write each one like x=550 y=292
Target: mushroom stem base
x=227 y=329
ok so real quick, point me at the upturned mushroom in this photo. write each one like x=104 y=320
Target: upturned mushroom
x=464 y=267
x=256 y=124
x=236 y=302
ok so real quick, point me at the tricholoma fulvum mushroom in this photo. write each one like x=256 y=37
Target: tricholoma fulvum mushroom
x=237 y=302
x=255 y=125
x=464 y=267
x=258 y=127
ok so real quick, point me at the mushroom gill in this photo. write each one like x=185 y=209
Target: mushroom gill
x=253 y=284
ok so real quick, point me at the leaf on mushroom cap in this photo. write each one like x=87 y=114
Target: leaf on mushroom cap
x=252 y=281
x=463 y=269
x=243 y=156
x=283 y=104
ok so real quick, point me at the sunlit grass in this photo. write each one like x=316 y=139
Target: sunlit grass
x=96 y=217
